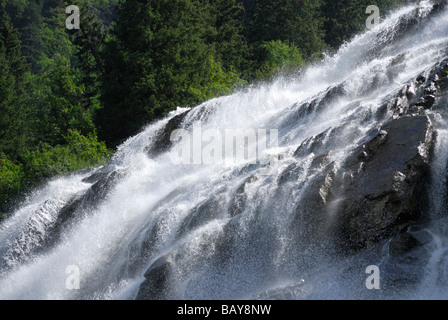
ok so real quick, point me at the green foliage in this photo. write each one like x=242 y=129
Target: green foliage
x=59 y=100
x=11 y=177
x=13 y=109
x=79 y=152
x=25 y=16
x=279 y=58
x=229 y=43
x=344 y=19
x=295 y=22
x=218 y=82
x=158 y=48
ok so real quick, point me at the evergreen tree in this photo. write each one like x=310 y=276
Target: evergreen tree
x=89 y=41
x=157 y=53
x=344 y=19
x=298 y=23
x=26 y=17
x=230 y=43
x=13 y=106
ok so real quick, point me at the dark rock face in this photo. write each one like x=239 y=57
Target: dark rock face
x=381 y=187
x=162 y=141
x=103 y=182
x=75 y=209
x=403 y=243
x=387 y=186
x=156 y=278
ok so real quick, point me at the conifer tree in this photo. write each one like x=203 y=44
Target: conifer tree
x=13 y=109
x=158 y=51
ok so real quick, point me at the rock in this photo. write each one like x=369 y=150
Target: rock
x=375 y=143
x=238 y=201
x=411 y=91
x=442 y=84
x=202 y=214
x=289 y=292
x=427 y=101
x=431 y=89
x=421 y=79
x=78 y=206
x=162 y=141
x=387 y=194
x=156 y=279
x=332 y=94
x=439 y=7
x=403 y=243
x=320 y=161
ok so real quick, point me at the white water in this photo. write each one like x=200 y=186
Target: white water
x=159 y=208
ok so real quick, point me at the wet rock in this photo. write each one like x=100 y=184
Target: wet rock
x=427 y=101
x=83 y=204
x=202 y=214
x=315 y=144
x=155 y=285
x=431 y=89
x=411 y=91
x=320 y=161
x=389 y=191
x=332 y=94
x=442 y=84
x=238 y=201
x=289 y=292
x=162 y=141
x=421 y=79
x=403 y=243
x=439 y=7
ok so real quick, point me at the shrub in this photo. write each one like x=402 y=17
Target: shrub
x=78 y=153
x=279 y=57
x=11 y=176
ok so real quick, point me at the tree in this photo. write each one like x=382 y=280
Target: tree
x=280 y=57
x=297 y=23
x=60 y=102
x=89 y=41
x=26 y=17
x=13 y=104
x=157 y=52
x=230 y=45
x=344 y=19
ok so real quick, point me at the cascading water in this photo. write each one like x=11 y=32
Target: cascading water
x=145 y=227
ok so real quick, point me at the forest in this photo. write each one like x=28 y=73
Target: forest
x=68 y=98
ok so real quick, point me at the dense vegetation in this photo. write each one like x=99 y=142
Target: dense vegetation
x=69 y=97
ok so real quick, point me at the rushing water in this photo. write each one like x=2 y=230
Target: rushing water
x=230 y=231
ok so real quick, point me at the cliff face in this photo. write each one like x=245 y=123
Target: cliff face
x=382 y=187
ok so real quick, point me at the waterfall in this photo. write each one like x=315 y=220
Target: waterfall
x=146 y=227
